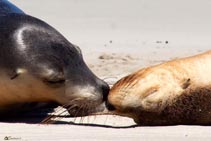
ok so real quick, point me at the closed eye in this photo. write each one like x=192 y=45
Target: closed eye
x=56 y=81
x=150 y=92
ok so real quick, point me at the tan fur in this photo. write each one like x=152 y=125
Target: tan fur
x=149 y=93
x=25 y=89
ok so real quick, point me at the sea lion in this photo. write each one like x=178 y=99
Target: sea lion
x=37 y=64
x=174 y=92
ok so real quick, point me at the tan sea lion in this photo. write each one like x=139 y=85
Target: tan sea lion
x=37 y=64
x=174 y=92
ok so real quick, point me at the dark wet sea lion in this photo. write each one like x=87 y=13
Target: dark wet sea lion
x=6 y=7
x=175 y=92
x=37 y=64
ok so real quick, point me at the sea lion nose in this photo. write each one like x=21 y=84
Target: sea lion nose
x=109 y=106
x=105 y=89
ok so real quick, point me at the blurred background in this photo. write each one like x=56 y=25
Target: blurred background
x=177 y=20
x=148 y=31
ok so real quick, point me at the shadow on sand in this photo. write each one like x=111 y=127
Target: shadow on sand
x=36 y=117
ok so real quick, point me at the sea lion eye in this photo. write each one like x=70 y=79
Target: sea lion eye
x=55 y=78
x=52 y=75
x=54 y=82
x=150 y=91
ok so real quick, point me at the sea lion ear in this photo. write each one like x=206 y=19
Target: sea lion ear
x=186 y=83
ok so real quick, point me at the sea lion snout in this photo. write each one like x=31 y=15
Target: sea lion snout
x=94 y=90
x=109 y=106
x=83 y=99
x=105 y=90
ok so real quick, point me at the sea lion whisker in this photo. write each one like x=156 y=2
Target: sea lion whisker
x=59 y=116
x=72 y=107
x=88 y=119
x=80 y=109
x=71 y=102
x=89 y=109
x=47 y=119
x=51 y=118
x=81 y=119
x=59 y=111
x=82 y=113
x=103 y=113
x=106 y=119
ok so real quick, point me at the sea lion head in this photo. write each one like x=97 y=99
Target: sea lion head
x=144 y=94
x=44 y=66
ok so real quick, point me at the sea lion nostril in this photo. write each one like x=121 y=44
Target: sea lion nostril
x=105 y=90
x=109 y=106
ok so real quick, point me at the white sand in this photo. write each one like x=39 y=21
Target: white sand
x=117 y=38
x=78 y=133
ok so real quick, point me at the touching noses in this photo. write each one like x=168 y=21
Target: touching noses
x=109 y=106
x=105 y=90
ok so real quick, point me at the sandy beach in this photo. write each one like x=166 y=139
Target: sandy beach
x=117 y=38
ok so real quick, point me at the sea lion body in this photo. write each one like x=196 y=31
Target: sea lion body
x=37 y=64
x=6 y=7
x=175 y=92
